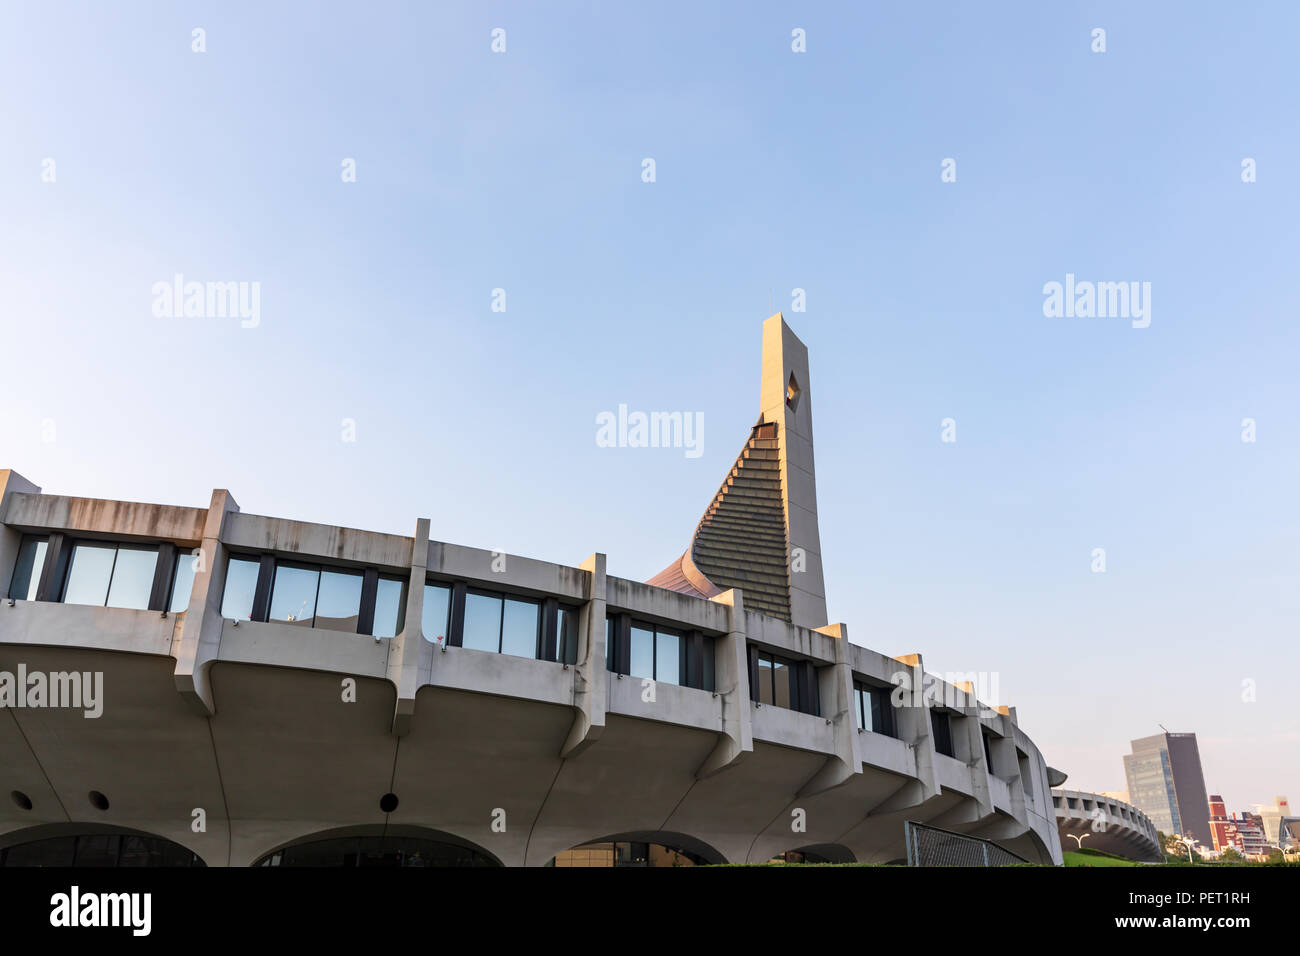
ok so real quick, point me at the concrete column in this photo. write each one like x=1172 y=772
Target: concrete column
x=200 y=635
x=837 y=707
x=912 y=722
x=404 y=649
x=590 y=679
x=10 y=540
x=979 y=768
x=731 y=683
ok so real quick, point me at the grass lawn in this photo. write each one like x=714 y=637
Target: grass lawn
x=1095 y=858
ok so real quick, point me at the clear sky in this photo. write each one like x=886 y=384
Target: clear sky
x=774 y=170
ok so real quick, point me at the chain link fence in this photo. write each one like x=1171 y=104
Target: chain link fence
x=930 y=846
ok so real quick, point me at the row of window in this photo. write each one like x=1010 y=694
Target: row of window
x=481 y=620
x=311 y=595
x=104 y=574
x=650 y=651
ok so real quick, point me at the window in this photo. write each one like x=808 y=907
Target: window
x=293 y=596
x=338 y=601
x=133 y=577
x=941 y=725
x=106 y=574
x=482 y=630
x=873 y=709
x=1026 y=772
x=89 y=575
x=655 y=654
x=639 y=649
x=241 y=585
x=519 y=627
x=182 y=582
x=643 y=653
x=494 y=622
x=437 y=613
x=783 y=682
x=27 y=572
x=390 y=607
x=988 y=751
x=566 y=635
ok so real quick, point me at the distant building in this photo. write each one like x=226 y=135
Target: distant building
x=1273 y=817
x=1245 y=834
x=1250 y=832
x=1166 y=783
x=1222 y=831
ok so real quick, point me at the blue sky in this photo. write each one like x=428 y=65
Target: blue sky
x=774 y=170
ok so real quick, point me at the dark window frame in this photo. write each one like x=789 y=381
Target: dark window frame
x=504 y=596
x=696 y=649
x=805 y=694
x=941 y=718
x=34 y=539
x=61 y=549
x=264 y=590
x=866 y=694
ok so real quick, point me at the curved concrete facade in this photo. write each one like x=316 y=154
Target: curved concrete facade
x=1106 y=824
x=273 y=732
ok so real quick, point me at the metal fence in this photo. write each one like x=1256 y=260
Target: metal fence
x=930 y=846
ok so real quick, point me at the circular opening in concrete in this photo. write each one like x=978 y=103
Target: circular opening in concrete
x=98 y=800
x=24 y=802
x=388 y=802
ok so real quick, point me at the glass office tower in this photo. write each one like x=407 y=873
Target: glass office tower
x=1165 y=782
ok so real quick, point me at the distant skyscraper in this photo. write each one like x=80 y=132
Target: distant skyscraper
x=1165 y=782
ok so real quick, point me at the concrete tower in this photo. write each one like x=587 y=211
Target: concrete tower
x=760 y=533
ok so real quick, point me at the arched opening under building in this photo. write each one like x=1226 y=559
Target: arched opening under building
x=640 y=849
x=819 y=853
x=390 y=847
x=109 y=847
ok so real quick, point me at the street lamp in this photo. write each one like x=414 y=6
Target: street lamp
x=1079 y=839
x=1189 y=842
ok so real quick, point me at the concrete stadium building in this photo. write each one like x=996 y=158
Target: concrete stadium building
x=277 y=692
x=1096 y=821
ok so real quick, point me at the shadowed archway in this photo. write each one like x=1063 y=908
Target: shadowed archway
x=378 y=846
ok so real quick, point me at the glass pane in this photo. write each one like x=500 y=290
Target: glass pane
x=858 y=704
x=293 y=596
x=643 y=653
x=566 y=636
x=519 y=635
x=183 y=582
x=609 y=643
x=241 y=582
x=98 y=850
x=27 y=573
x=390 y=608
x=437 y=605
x=710 y=649
x=133 y=577
x=482 y=622
x=781 y=674
x=88 y=578
x=55 y=851
x=338 y=602
x=668 y=665
x=765 y=680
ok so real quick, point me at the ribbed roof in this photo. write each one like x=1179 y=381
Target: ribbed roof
x=741 y=540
